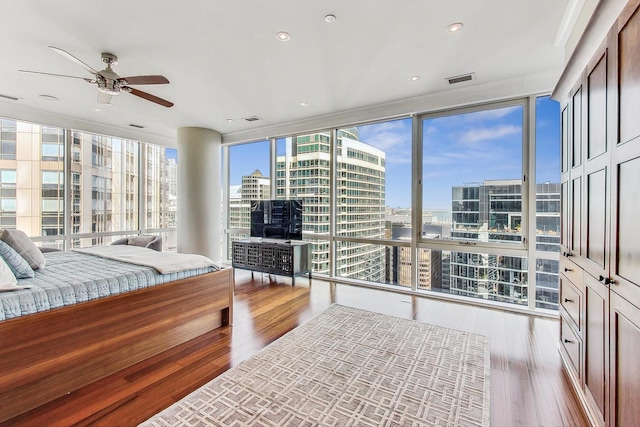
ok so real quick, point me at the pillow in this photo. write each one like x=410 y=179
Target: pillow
x=7 y=279
x=28 y=250
x=140 y=240
x=18 y=265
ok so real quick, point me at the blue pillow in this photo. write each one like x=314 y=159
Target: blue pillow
x=18 y=265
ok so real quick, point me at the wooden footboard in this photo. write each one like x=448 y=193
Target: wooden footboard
x=46 y=355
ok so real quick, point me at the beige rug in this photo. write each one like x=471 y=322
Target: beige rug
x=349 y=367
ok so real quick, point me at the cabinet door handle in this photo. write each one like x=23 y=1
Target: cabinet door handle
x=568 y=269
x=568 y=341
x=568 y=300
x=606 y=280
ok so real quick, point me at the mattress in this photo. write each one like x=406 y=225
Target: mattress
x=73 y=277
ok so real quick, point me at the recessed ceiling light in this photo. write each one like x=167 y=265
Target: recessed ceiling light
x=303 y=104
x=454 y=28
x=230 y=120
x=330 y=19
x=49 y=98
x=97 y=109
x=414 y=78
x=283 y=36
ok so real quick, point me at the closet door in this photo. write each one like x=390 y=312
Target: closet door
x=596 y=170
x=565 y=182
x=575 y=238
x=625 y=250
x=624 y=373
x=624 y=379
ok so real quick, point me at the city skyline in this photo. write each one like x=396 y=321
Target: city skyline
x=458 y=150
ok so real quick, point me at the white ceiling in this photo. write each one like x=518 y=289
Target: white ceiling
x=224 y=62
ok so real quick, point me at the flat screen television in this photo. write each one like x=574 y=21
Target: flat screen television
x=276 y=219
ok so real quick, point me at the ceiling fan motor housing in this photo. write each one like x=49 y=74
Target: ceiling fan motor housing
x=109 y=58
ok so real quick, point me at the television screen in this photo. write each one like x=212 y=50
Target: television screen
x=276 y=219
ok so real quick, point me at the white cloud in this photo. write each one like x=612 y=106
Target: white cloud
x=484 y=134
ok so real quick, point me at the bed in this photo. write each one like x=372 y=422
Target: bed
x=102 y=316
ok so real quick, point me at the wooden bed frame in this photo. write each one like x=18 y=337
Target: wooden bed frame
x=46 y=355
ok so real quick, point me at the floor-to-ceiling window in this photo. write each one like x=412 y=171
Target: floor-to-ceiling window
x=161 y=192
x=303 y=172
x=472 y=178
x=102 y=179
x=465 y=232
x=548 y=202
x=249 y=179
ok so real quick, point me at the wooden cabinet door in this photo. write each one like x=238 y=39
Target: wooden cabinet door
x=575 y=238
x=597 y=169
x=565 y=182
x=596 y=345
x=625 y=239
x=624 y=372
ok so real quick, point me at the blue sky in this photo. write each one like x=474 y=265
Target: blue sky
x=459 y=149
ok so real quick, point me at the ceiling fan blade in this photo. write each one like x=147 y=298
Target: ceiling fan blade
x=148 y=97
x=104 y=98
x=57 y=75
x=73 y=59
x=144 y=80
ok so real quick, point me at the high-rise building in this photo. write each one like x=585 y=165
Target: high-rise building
x=303 y=172
x=253 y=187
x=430 y=266
x=104 y=185
x=492 y=211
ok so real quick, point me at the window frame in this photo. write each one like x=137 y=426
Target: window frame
x=471 y=245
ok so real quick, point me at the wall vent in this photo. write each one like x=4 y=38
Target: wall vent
x=252 y=119
x=460 y=79
x=13 y=98
x=136 y=126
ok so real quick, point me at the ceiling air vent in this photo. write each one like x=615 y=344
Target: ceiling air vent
x=13 y=98
x=136 y=126
x=252 y=119
x=460 y=79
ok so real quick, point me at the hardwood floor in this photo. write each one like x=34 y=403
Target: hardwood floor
x=528 y=387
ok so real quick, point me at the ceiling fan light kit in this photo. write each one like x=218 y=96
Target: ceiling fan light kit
x=109 y=83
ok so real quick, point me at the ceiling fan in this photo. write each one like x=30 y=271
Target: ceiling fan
x=109 y=83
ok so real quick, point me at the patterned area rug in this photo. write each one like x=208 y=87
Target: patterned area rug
x=349 y=367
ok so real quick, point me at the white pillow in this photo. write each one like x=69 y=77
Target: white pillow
x=8 y=281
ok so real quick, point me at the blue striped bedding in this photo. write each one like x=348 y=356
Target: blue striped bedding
x=72 y=277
